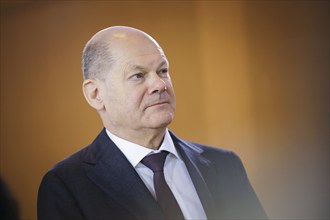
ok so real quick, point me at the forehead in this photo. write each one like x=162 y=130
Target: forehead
x=135 y=50
x=155 y=60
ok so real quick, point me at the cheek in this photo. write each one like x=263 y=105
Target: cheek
x=171 y=92
x=134 y=102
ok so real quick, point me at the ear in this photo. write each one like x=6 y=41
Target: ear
x=91 y=90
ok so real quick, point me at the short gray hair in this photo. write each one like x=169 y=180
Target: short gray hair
x=96 y=59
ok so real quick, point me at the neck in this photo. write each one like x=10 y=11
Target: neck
x=149 y=138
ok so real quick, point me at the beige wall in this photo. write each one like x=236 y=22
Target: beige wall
x=250 y=76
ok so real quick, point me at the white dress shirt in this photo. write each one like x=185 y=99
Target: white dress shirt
x=175 y=172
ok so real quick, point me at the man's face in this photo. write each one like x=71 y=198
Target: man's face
x=134 y=93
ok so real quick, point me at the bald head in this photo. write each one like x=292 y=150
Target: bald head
x=110 y=44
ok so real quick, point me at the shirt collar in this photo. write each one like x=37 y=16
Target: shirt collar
x=135 y=153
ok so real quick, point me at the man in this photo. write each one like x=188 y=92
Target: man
x=126 y=79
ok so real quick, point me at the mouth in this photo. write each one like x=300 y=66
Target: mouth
x=157 y=104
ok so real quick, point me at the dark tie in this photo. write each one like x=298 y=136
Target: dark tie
x=164 y=194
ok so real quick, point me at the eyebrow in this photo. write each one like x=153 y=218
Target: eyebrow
x=142 y=68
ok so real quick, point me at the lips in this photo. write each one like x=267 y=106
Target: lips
x=154 y=101
x=159 y=103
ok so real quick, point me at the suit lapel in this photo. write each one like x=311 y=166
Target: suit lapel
x=201 y=172
x=113 y=173
x=109 y=169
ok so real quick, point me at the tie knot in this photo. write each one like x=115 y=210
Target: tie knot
x=155 y=162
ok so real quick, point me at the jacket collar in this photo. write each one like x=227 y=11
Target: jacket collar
x=201 y=172
x=112 y=172
x=107 y=164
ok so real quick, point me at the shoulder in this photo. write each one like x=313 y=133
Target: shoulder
x=88 y=155
x=67 y=168
x=222 y=157
x=72 y=160
x=206 y=150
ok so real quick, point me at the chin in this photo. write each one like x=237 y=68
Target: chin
x=162 y=121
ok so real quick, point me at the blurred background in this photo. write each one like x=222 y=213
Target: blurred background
x=250 y=76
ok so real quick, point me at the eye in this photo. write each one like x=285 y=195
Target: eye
x=163 y=72
x=137 y=76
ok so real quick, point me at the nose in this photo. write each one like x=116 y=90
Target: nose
x=157 y=85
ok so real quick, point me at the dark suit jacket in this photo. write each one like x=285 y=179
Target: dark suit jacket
x=98 y=182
